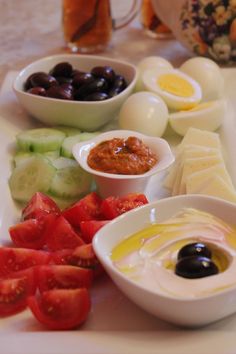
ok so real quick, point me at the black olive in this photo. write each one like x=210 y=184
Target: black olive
x=62 y=69
x=194 y=249
x=97 y=85
x=195 y=267
x=96 y=96
x=104 y=71
x=82 y=79
x=43 y=80
x=39 y=91
x=120 y=82
x=64 y=80
x=28 y=83
x=59 y=92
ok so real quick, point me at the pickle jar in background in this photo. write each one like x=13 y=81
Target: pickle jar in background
x=153 y=26
x=88 y=24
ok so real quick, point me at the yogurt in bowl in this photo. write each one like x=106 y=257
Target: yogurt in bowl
x=179 y=300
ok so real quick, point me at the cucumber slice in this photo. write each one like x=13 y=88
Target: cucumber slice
x=40 y=140
x=68 y=143
x=31 y=176
x=63 y=162
x=22 y=156
x=70 y=182
x=68 y=131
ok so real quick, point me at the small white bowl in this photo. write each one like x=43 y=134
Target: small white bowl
x=181 y=311
x=88 y=116
x=117 y=184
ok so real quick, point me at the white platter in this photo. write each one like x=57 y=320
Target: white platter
x=115 y=325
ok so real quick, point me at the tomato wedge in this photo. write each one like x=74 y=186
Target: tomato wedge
x=61 y=309
x=90 y=227
x=14 y=292
x=16 y=259
x=60 y=234
x=87 y=208
x=39 y=205
x=112 y=207
x=28 y=234
x=82 y=256
x=63 y=277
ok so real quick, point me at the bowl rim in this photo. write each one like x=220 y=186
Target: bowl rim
x=22 y=72
x=106 y=259
x=80 y=151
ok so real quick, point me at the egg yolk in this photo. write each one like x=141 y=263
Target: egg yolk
x=175 y=85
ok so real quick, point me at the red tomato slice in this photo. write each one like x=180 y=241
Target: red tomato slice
x=90 y=227
x=87 y=208
x=113 y=206
x=28 y=234
x=14 y=292
x=82 y=256
x=63 y=277
x=61 y=309
x=60 y=234
x=16 y=259
x=39 y=205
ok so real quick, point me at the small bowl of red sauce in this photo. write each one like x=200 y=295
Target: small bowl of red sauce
x=123 y=161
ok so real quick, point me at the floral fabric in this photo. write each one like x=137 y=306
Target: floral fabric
x=209 y=28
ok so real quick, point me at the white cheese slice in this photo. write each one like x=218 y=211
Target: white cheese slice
x=201 y=137
x=197 y=180
x=217 y=187
x=196 y=164
x=188 y=151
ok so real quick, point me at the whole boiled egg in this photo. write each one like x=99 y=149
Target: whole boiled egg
x=176 y=88
x=144 y=112
x=150 y=63
x=208 y=74
x=205 y=116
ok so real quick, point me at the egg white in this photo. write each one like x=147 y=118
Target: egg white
x=207 y=116
x=144 y=112
x=151 y=78
x=149 y=63
x=208 y=74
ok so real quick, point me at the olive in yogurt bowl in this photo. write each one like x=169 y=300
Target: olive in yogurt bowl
x=143 y=265
x=123 y=161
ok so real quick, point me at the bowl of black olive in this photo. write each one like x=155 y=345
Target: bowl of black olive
x=82 y=91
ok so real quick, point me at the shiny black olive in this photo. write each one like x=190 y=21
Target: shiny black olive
x=194 y=249
x=97 y=85
x=96 y=96
x=104 y=71
x=39 y=91
x=62 y=69
x=82 y=79
x=120 y=82
x=43 y=80
x=114 y=91
x=28 y=83
x=59 y=92
x=195 y=267
x=64 y=80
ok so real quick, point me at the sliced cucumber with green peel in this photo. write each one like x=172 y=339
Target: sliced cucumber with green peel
x=68 y=131
x=31 y=176
x=40 y=140
x=63 y=162
x=22 y=156
x=70 y=182
x=68 y=143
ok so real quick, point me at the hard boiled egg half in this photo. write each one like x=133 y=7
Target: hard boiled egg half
x=176 y=88
x=150 y=63
x=205 y=116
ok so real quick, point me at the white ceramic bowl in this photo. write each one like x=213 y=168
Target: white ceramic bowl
x=117 y=184
x=181 y=311
x=88 y=116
